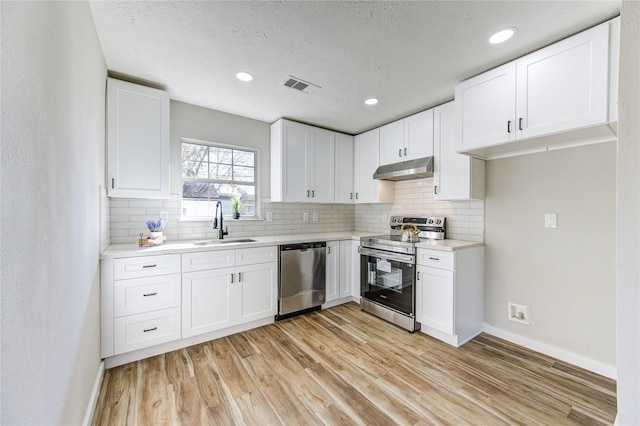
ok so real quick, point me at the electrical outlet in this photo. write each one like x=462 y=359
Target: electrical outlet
x=314 y=216
x=305 y=217
x=269 y=216
x=519 y=313
x=551 y=220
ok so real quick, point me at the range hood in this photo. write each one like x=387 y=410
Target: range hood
x=412 y=169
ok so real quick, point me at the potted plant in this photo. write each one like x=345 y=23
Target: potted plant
x=235 y=205
x=155 y=228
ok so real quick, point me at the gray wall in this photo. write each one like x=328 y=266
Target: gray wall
x=53 y=85
x=190 y=121
x=628 y=230
x=566 y=275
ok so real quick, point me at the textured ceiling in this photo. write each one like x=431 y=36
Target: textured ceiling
x=408 y=54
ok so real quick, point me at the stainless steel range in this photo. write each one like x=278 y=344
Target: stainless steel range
x=388 y=273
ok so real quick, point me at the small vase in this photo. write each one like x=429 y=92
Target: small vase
x=236 y=215
x=155 y=234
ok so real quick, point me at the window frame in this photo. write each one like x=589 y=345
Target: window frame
x=255 y=182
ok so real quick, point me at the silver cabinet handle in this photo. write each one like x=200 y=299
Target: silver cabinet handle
x=435 y=189
x=356 y=195
x=113 y=183
x=231 y=278
x=351 y=195
x=328 y=249
x=400 y=152
x=509 y=126
x=313 y=193
x=150 y=294
x=520 y=123
x=239 y=276
x=405 y=152
x=418 y=276
x=148 y=266
x=149 y=329
x=307 y=193
x=434 y=258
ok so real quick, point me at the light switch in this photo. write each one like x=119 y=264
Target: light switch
x=551 y=220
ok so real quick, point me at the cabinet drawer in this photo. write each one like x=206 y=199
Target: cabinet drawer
x=146 y=266
x=256 y=255
x=203 y=260
x=143 y=330
x=146 y=294
x=435 y=258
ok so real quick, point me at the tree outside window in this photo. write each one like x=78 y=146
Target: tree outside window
x=212 y=173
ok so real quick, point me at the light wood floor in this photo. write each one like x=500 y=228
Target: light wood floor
x=342 y=366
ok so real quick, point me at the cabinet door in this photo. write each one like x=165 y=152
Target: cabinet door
x=418 y=135
x=259 y=286
x=435 y=292
x=294 y=164
x=366 y=161
x=564 y=86
x=355 y=269
x=320 y=165
x=485 y=109
x=453 y=177
x=333 y=270
x=346 y=265
x=344 y=168
x=137 y=141
x=392 y=143
x=207 y=301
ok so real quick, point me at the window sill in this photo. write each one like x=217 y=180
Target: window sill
x=226 y=219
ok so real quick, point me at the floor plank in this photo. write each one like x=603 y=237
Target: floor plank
x=343 y=366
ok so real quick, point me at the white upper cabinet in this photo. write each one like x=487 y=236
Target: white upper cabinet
x=407 y=139
x=366 y=161
x=344 y=168
x=555 y=97
x=302 y=163
x=137 y=141
x=456 y=176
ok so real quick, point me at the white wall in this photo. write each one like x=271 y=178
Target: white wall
x=53 y=85
x=628 y=219
x=566 y=275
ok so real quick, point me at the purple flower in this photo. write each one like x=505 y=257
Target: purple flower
x=155 y=226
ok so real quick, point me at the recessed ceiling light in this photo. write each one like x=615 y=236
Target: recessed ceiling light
x=371 y=101
x=244 y=76
x=502 y=35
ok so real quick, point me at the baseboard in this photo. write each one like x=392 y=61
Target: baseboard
x=95 y=393
x=561 y=354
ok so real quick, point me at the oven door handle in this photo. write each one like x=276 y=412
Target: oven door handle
x=385 y=255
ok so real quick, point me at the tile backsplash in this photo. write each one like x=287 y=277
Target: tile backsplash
x=465 y=219
x=128 y=220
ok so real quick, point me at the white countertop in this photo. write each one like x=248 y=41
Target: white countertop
x=186 y=246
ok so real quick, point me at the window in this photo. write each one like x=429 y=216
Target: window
x=212 y=173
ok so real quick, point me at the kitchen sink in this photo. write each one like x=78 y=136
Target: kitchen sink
x=227 y=241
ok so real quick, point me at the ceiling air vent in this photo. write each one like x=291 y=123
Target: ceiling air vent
x=301 y=85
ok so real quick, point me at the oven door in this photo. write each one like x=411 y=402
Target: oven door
x=388 y=279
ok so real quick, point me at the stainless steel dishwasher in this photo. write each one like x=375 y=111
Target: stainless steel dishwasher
x=302 y=278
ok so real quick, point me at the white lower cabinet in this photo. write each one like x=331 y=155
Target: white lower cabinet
x=346 y=265
x=333 y=275
x=450 y=294
x=213 y=299
x=140 y=302
x=151 y=300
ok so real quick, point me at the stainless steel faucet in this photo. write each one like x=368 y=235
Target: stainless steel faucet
x=221 y=232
